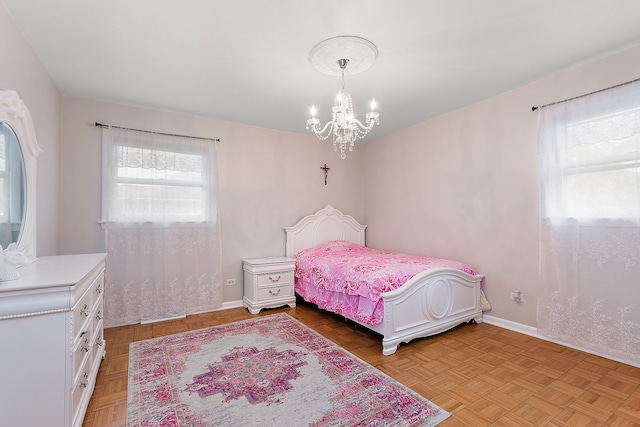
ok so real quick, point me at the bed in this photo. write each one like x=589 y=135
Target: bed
x=430 y=302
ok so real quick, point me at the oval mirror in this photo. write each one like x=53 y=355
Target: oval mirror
x=12 y=188
x=19 y=150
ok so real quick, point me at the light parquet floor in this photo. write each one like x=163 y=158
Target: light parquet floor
x=482 y=374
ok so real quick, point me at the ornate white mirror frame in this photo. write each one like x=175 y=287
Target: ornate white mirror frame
x=15 y=114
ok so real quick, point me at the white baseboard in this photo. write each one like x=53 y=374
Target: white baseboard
x=230 y=304
x=513 y=326
x=225 y=306
x=533 y=332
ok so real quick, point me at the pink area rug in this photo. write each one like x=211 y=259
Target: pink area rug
x=267 y=371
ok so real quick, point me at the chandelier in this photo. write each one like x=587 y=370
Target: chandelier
x=344 y=127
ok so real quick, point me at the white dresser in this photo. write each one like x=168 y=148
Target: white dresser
x=51 y=340
x=268 y=283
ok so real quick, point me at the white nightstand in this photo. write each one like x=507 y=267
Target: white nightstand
x=268 y=283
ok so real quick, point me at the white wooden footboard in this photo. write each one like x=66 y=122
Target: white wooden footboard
x=431 y=302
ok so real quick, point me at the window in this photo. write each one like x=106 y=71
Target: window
x=164 y=180
x=597 y=164
x=589 y=152
x=160 y=213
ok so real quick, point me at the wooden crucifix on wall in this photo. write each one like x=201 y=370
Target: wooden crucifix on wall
x=326 y=172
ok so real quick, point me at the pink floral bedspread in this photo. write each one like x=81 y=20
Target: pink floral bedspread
x=347 y=279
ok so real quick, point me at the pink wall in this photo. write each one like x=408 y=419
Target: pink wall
x=268 y=179
x=22 y=71
x=465 y=185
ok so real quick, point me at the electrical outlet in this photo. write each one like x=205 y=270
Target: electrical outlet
x=516 y=296
x=231 y=282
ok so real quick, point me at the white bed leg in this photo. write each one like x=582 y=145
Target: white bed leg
x=388 y=349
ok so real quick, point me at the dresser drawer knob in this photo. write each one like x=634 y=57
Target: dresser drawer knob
x=99 y=315
x=274 y=280
x=83 y=384
x=274 y=293
x=99 y=289
x=85 y=311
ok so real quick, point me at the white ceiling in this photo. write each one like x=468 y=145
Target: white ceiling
x=247 y=60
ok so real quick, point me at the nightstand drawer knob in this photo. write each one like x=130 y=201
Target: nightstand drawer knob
x=275 y=280
x=274 y=293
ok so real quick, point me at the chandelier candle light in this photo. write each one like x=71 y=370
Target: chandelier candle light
x=359 y=54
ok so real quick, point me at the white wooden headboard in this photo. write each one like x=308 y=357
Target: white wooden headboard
x=325 y=225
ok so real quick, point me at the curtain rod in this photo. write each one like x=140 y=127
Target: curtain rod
x=158 y=133
x=535 y=107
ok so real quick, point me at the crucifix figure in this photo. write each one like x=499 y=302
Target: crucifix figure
x=326 y=172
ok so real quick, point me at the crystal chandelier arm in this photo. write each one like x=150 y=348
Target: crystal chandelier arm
x=366 y=128
x=314 y=125
x=360 y=125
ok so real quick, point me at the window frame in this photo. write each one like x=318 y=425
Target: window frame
x=559 y=208
x=111 y=179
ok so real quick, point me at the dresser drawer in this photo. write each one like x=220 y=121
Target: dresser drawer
x=97 y=338
x=98 y=315
x=81 y=388
x=80 y=352
x=98 y=287
x=81 y=312
x=85 y=308
x=277 y=278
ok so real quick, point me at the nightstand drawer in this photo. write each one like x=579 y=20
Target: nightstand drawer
x=266 y=294
x=277 y=278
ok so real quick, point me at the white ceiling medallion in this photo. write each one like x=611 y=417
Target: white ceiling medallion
x=360 y=52
x=341 y=56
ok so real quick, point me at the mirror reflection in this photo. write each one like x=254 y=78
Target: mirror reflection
x=12 y=189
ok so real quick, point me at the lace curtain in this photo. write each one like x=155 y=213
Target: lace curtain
x=589 y=158
x=160 y=211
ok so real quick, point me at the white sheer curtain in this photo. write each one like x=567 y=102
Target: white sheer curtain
x=160 y=211
x=589 y=157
